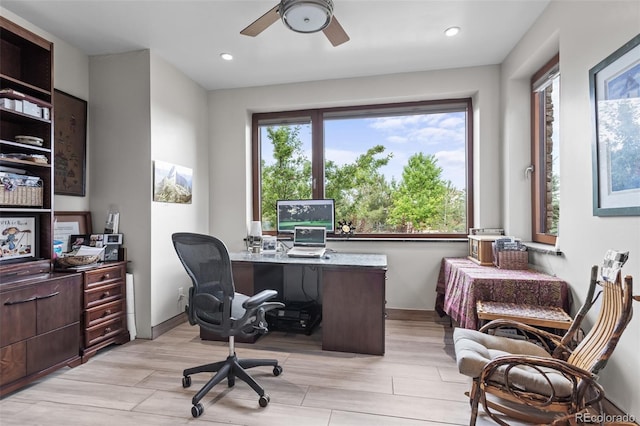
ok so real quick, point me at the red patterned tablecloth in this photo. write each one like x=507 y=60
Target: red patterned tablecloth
x=462 y=282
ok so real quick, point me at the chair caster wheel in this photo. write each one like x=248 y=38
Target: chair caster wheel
x=264 y=400
x=197 y=410
x=277 y=370
x=186 y=381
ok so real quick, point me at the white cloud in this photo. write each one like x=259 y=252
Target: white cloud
x=442 y=129
x=342 y=156
x=395 y=139
x=453 y=166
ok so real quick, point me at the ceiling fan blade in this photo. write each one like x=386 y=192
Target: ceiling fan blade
x=262 y=23
x=335 y=33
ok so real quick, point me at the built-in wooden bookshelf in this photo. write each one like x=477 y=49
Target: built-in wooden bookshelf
x=26 y=92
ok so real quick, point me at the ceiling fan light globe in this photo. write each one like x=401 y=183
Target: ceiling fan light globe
x=306 y=16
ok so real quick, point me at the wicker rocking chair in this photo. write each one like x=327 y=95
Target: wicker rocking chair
x=556 y=384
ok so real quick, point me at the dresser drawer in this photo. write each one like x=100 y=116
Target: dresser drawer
x=104 y=294
x=103 y=276
x=105 y=330
x=103 y=312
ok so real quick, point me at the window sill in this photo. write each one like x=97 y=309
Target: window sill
x=400 y=239
x=542 y=248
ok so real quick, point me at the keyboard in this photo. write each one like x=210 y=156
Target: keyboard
x=306 y=252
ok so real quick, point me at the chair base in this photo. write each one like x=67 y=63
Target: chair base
x=229 y=369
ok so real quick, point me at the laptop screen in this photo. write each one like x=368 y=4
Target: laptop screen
x=309 y=236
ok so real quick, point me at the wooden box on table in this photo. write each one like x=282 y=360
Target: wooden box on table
x=480 y=249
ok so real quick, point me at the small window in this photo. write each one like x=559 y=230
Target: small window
x=545 y=149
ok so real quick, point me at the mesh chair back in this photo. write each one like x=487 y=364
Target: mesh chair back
x=207 y=262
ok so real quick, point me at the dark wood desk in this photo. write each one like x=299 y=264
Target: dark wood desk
x=353 y=295
x=461 y=283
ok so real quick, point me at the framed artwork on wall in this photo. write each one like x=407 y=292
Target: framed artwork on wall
x=70 y=144
x=614 y=86
x=172 y=183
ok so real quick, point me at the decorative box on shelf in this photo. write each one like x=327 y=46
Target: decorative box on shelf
x=510 y=253
x=512 y=259
x=480 y=249
x=20 y=190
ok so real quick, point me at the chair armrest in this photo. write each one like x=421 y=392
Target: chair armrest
x=258 y=299
x=541 y=335
x=585 y=389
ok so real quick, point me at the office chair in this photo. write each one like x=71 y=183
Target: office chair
x=215 y=306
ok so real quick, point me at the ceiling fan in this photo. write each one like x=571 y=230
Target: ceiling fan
x=302 y=16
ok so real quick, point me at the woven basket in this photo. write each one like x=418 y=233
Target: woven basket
x=71 y=261
x=512 y=259
x=21 y=196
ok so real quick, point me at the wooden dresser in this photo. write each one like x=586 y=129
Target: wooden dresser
x=40 y=320
x=104 y=308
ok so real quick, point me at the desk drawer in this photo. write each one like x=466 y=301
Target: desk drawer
x=103 y=331
x=103 y=276
x=104 y=312
x=99 y=295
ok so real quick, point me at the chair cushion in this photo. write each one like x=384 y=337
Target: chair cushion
x=474 y=350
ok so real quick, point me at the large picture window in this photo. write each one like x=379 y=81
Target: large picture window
x=393 y=170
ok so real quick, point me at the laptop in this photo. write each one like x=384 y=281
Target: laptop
x=308 y=241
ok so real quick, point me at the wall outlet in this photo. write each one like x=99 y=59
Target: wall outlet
x=180 y=293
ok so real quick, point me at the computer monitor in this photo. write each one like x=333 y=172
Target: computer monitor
x=292 y=213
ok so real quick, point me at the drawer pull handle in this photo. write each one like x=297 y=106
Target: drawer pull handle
x=31 y=299
x=16 y=302
x=106 y=276
x=48 y=295
x=105 y=294
x=107 y=331
x=106 y=313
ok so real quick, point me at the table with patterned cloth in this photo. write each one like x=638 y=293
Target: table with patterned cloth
x=462 y=282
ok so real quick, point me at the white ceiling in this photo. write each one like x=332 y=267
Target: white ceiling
x=387 y=36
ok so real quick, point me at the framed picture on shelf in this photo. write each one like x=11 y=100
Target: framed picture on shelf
x=614 y=86
x=96 y=240
x=269 y=244
x=67 y=223
x=18 y=238
x=75 y=241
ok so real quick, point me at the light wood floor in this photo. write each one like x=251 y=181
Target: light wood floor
x=415 y=383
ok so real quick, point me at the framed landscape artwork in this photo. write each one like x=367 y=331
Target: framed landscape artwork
x=615 y=106
x=172 y=183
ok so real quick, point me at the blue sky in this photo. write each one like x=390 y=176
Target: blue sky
x=440 y=134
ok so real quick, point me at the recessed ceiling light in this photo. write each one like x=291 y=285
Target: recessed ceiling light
x=226 y=56
x=451 y=31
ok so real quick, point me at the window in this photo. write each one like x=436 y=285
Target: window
x=545 y=129
x=393 y=170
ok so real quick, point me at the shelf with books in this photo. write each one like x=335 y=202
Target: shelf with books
x=26 y=150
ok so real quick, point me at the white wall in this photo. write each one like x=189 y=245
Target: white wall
x=602 y=27
x=413 y=267
x=179 y=135
x=146 y=110
x=71 y=75
x=121 y=158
